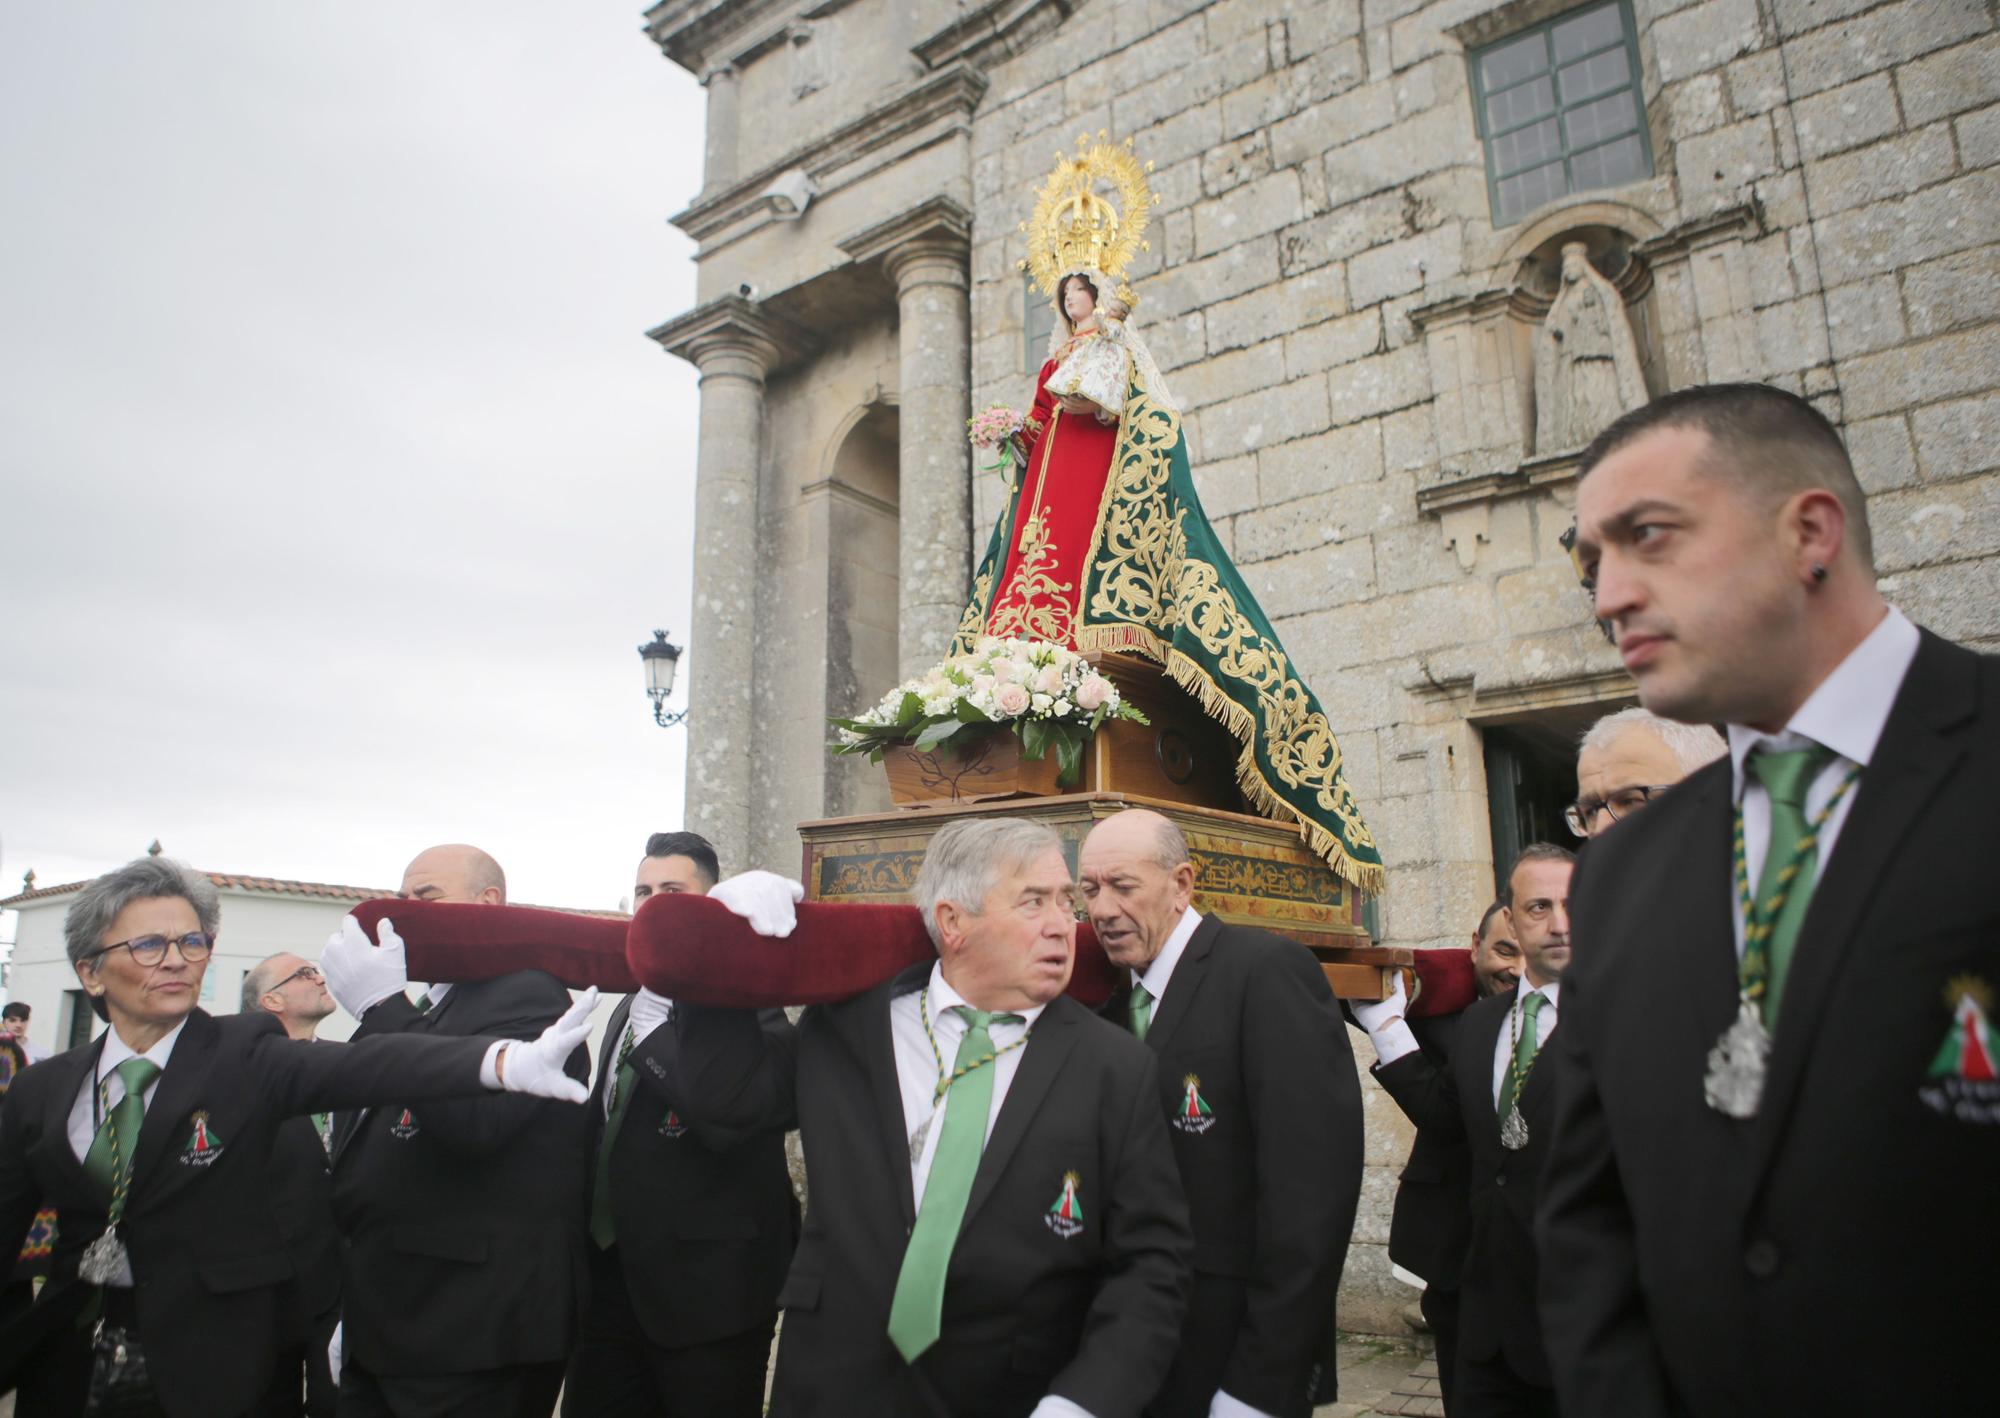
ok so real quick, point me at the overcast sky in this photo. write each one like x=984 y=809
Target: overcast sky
x=338 y=483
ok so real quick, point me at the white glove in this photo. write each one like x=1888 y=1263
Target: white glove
x=333 y=1350
x=537 y=1066
x=763 y=898
x=359 y=973
x=1381 y=1013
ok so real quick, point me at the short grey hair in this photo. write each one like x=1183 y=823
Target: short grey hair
x=147 y=879
x=254 y=986
x=1692 y=745
x=967 y=858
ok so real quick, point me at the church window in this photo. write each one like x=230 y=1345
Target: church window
x=1559 y=111
x=1039 y=317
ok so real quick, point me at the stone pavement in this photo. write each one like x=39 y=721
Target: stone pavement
x=1382 y=1376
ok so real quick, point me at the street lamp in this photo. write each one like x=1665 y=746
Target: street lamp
x=661 y=657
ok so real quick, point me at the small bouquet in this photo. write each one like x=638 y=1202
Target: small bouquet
x=1048 y=695
x=1000 y=430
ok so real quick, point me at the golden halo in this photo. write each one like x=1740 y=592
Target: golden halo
x=1091 y=212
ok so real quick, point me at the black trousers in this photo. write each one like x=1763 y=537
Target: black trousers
x=1440 y=1310
x=1489 y=1388
x=617 y=1372
x=522 y=1391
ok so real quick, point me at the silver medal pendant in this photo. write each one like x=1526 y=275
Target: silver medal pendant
x=1514 y=1131
x=106 y=1262
x=1735 y=1082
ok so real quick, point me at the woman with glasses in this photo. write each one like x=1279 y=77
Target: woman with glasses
x=171 y=1291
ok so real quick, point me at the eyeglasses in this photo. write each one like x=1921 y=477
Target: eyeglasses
x=1621 y=804
x=304 y=972
x=150 y=950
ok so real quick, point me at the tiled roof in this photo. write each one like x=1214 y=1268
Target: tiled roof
x=317 y=890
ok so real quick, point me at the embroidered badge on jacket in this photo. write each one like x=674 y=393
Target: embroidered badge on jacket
x=1965 y=1076
x=671 y=1125
x=203 y=1145
x=1065 y=1217
x=404 y=1126
x=1195 y=1115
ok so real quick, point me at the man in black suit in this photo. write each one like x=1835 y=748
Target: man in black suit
x=1728 y=1230
x=1257 y=1084
x=1432 y=1220
x=1494 y=1092
x=293 y=991
x=464 y=1222
x=155 y=1141
x=995 y=1227
x=692 y=1225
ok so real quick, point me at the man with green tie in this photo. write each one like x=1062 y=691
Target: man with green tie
x=1774 y=1160
x=995 y=1226
x=1497 y=1091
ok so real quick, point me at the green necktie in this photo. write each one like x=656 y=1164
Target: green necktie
x=1791 y=857
x=109 y=1161
x=1141 y=1004
x=916 y=1315
x=424 y=1002
x=602 y=1229
x=1525 y=1048
x=323 y=1125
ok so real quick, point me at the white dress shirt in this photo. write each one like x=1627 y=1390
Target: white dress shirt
x=649 y=1011
x=84 y=1116
x=1846 y=714
x=1545 y=1025
x=1156 y=976
x=917 y=1078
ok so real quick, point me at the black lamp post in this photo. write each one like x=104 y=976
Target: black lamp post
x=661 y=657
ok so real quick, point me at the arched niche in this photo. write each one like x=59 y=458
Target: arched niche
x=858 y=526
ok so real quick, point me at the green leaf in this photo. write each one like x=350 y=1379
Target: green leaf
x=1034 y=739
x=936 y=733
x=1069 y=760
x=911 y=709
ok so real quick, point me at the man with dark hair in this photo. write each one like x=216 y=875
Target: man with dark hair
x=1483 y=1091
x=692 y=1225
x=676 y=862
x=1496 y=954
x=1804 y=1109
x=14 y=1025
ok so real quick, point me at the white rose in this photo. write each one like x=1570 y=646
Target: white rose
x=1041 y=702
x=1047 y=680
x=1010 y=700
x=1091 y=694
x=1063 y=707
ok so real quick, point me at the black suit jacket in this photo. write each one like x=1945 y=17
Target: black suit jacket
x=1497 y=1283
x=464 y=1222
x=1696 y=1264
x=1272 y=1171
x=214 y=1278
x=302 y=1202
x=1030 y=1307
x=1432 y=1221
x=706 y=1218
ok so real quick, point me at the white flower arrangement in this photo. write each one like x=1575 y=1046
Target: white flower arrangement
x=1044 y=693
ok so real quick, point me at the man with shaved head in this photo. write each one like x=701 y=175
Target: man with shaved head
x=1779 y=1123
x=464 y=1222
x=1264 y=1111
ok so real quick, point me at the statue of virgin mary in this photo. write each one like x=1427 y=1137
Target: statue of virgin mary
x=1103 y=546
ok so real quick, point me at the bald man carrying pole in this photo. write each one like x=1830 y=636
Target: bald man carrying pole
x=463 y=1222
x=1263 y=1109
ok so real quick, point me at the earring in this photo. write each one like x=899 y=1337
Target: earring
x=1818 y=572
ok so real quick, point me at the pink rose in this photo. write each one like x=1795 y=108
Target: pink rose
x=1048 y=680
x=1011 y=700
x=1091 y=694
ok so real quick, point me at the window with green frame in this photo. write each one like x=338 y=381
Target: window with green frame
x=1559 y=109
x=1038 y=318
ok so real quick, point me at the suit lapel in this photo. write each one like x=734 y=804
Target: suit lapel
x=1706 y=884
x=55 y=1125
x=181 y=1085
x=1914 y=758
x=1041 y=1060
x=614 y=1035
x=1479 y=1038
x=1189 y=972
x=878 y=1058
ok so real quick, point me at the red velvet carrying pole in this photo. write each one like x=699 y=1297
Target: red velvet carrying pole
x=688 y=948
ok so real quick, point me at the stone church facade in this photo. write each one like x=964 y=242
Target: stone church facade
x=1360 y=241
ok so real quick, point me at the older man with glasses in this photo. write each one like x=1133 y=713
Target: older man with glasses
x=171 y=1289
x=1628 y=758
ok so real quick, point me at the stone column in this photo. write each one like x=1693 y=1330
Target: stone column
x=723 y=637
x=719 y=154
x=935 y=496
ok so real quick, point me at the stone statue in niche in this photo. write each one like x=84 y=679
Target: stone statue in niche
x=1586 y=360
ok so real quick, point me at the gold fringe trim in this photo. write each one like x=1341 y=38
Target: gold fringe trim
x=1242 y=725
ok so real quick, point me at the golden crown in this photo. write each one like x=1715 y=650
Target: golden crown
x=1076 y=227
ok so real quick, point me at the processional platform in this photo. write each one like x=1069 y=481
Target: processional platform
x=1249 y=869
